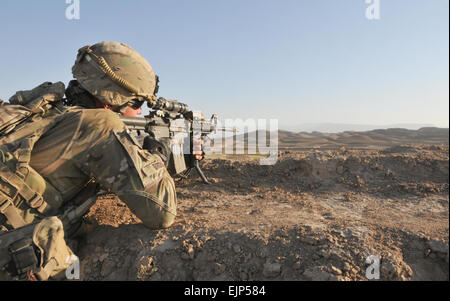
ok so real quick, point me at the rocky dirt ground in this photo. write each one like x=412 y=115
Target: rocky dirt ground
x=314 y=215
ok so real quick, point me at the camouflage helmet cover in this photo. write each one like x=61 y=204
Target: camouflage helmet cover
x=115 y=73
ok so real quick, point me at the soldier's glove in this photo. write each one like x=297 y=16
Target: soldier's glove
x=197 y=148
x=156 y=147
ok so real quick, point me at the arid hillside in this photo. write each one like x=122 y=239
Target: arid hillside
x=314 y=215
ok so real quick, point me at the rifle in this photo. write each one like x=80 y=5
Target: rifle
x=174 y=131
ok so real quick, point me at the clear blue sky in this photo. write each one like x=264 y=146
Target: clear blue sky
x=299 y=61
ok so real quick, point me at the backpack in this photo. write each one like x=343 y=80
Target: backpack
x=25 y=104
x=22 y=122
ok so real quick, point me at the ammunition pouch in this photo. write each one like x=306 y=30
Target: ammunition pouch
x=14 y=191
x=36 y=252
x=26 y=104
x=19 y=130
x=23 y=257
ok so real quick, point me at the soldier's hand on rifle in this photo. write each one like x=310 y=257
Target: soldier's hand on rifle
x=197 y=148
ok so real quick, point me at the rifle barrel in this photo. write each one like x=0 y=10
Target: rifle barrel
x=134 y=123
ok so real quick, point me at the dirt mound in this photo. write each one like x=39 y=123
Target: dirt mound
x=315 y=215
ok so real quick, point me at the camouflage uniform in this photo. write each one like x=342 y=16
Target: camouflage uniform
x=94 y=143
x=79 y=147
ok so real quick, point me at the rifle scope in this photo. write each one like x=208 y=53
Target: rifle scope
x=170 y=106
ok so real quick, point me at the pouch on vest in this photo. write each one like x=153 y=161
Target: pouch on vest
x=19 y=183
x=38 y=249
x=26 y=103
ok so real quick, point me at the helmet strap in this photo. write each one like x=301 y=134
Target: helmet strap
x=105 y=68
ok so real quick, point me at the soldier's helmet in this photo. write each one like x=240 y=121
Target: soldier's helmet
x=115 y=74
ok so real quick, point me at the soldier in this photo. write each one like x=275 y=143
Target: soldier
x=54 y=161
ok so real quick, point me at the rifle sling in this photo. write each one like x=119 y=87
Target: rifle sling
x=17 y=191
x=10 y=211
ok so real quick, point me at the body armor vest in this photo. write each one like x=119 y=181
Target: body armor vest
x=22 y=122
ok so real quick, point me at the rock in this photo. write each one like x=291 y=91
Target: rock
x=323 y=253
x=360 y=181
x=272 y=270
x=394 y=268
x=336 y=271
x=219 y=268
x=347 y=267
x=359 y=233
x=236 y=249
x=331 y=240
x=297 y=265
x=389 y=173
x=190 y=251
x=185 y=256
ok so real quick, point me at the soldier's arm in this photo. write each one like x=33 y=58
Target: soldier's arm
x=120 y=165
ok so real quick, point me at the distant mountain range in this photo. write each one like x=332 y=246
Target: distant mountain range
x=342 y=127
x=357 y=139
x=372 y=139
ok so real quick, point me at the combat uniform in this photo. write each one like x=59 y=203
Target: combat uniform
x=94 y=144
x=63 y=157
